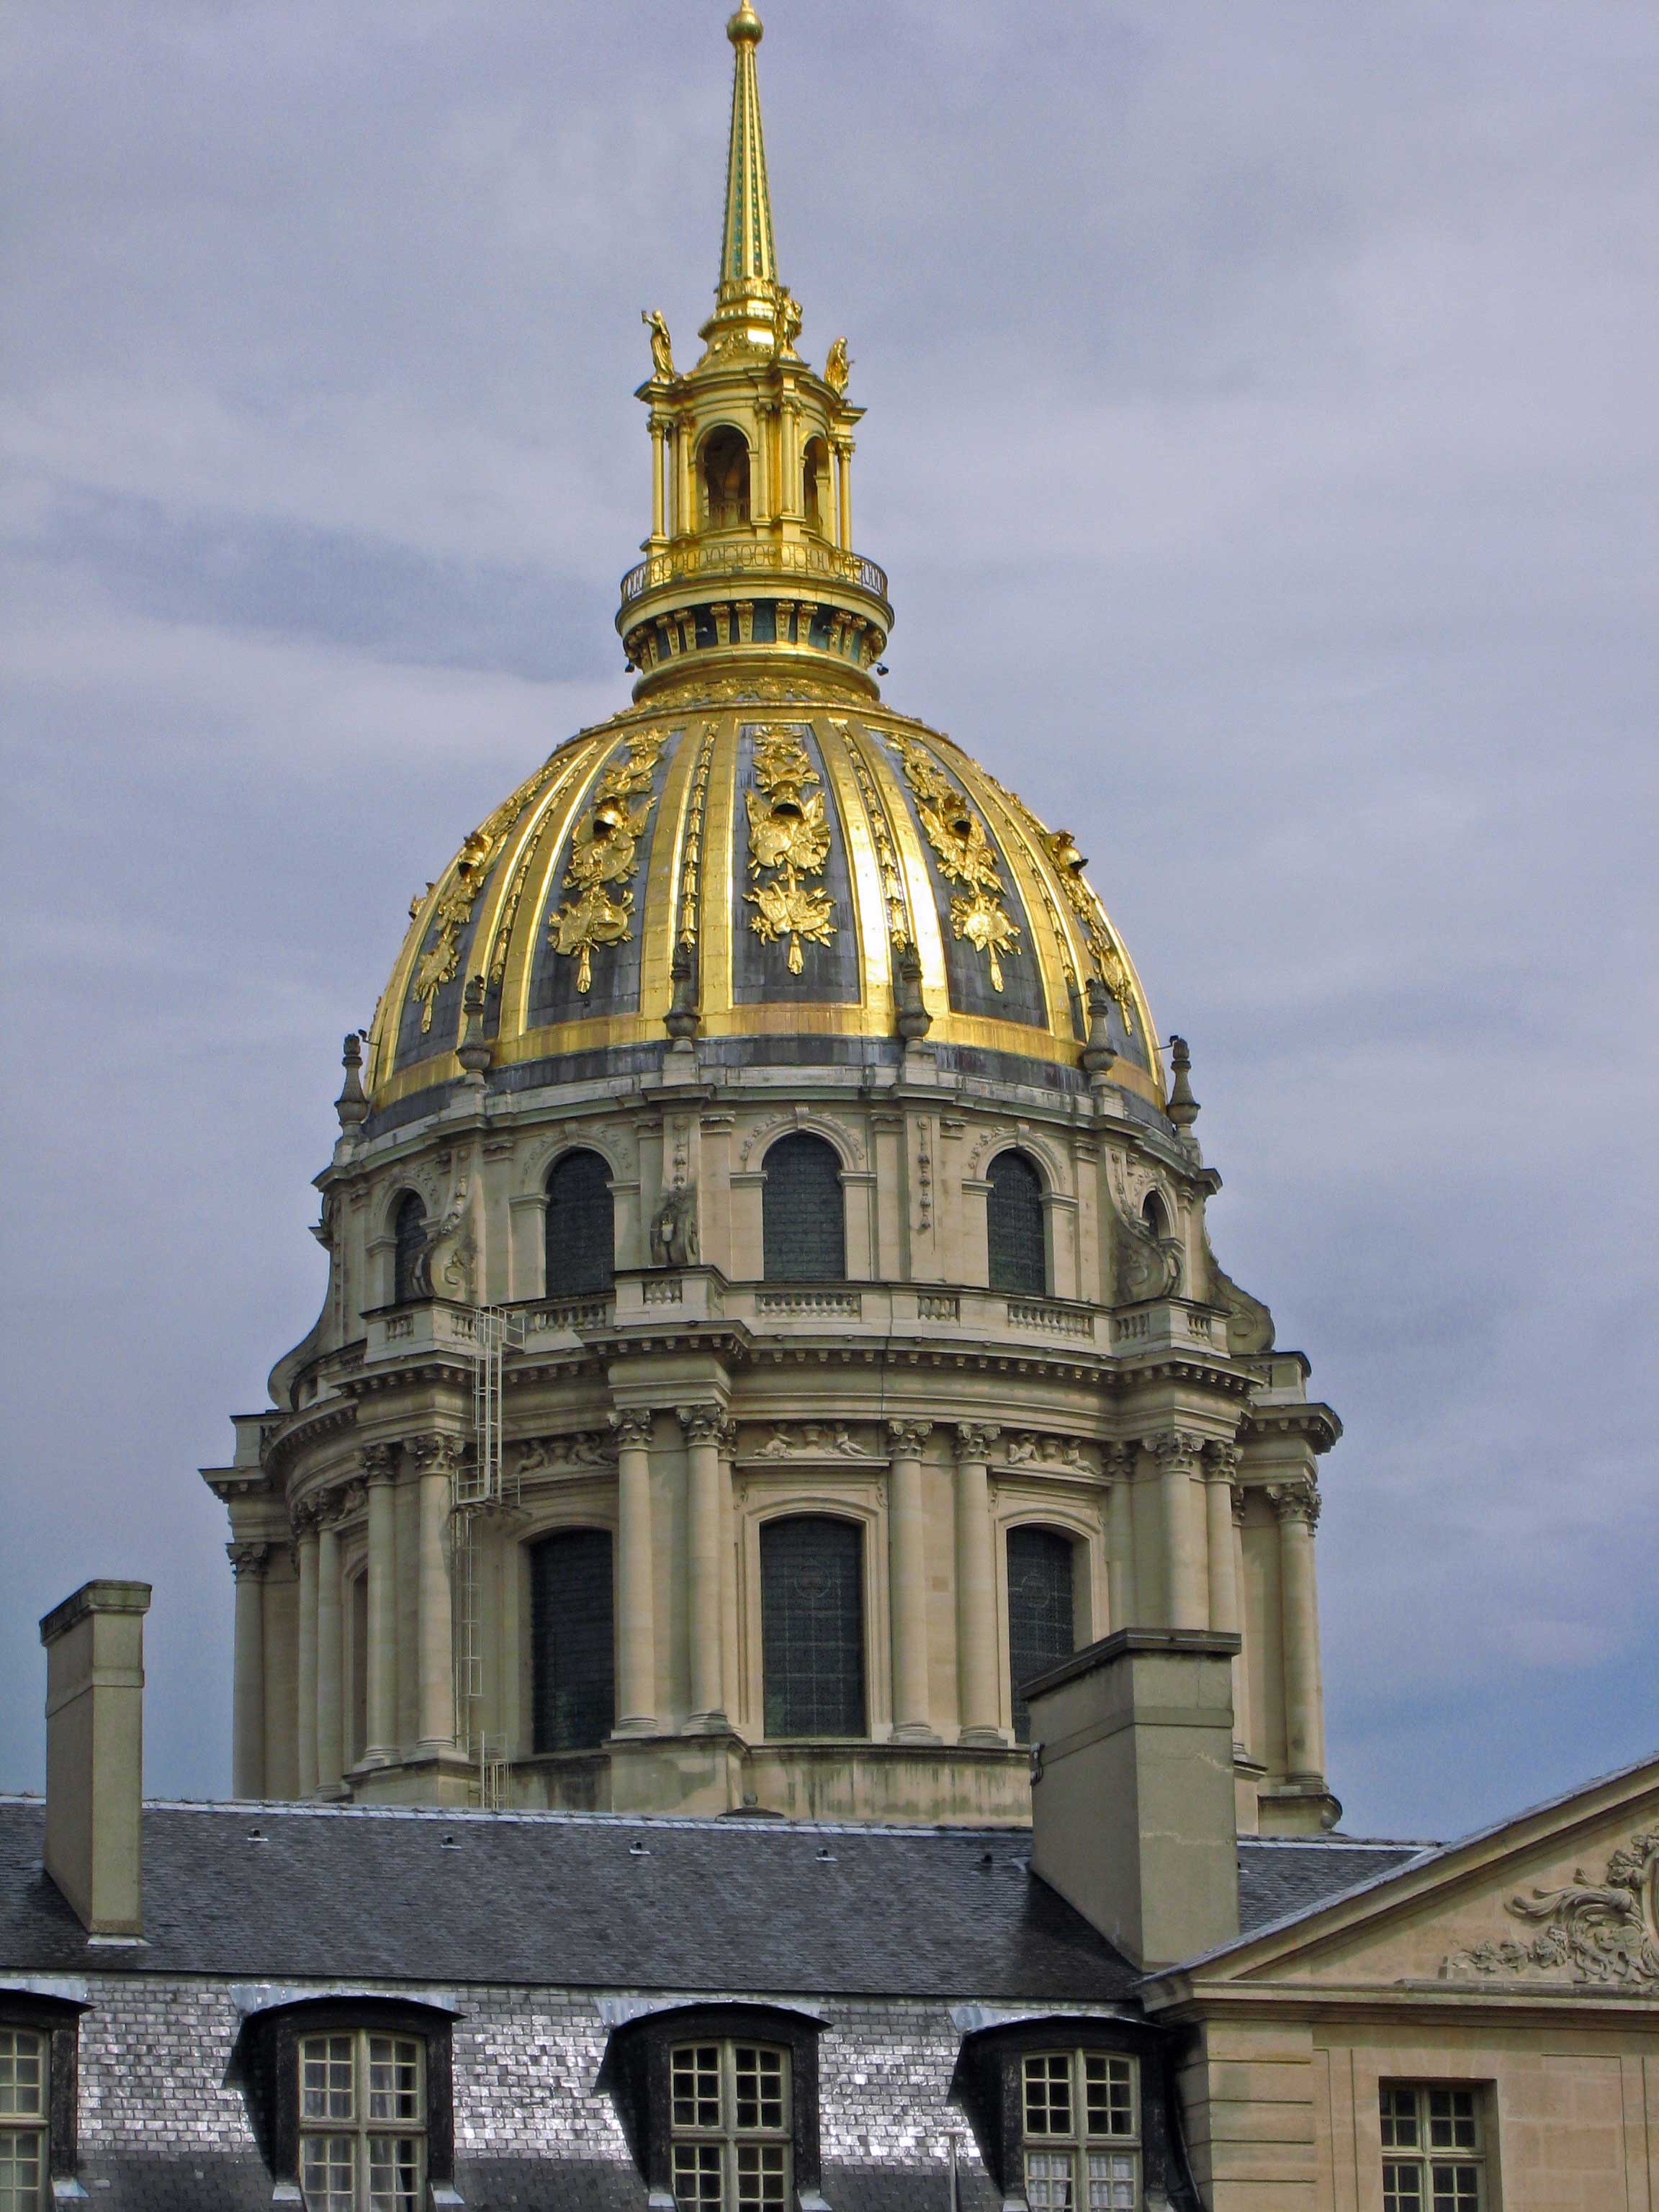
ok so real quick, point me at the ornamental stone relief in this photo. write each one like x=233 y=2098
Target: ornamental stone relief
x=809 y=1440
x=1027 y=1448
x=586 y=1450
x=1604 y=1933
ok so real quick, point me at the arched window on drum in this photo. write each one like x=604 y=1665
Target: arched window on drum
x=725 y=478
x=1042 y=1625
x=580 y=1227
x=813 y=1626
x=1016 y=1225
x=572 y=1639
x=408 y=1243
x=804 y=1211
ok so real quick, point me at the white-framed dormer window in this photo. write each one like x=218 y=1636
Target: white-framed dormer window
x=1082 y=2138
x=25 y=2092
x=362 y=2121
x=730 y=2125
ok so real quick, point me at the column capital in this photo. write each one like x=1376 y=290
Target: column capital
x=1221 y=1462
x=704 y=1425
x=632 y=1427
x=437 y=1452
x=907 y=1439
x=248 y=1562
x=379 y=1463
x=305 y=1517
x=1177 y=1447
x=976 y=1439
x=1118 y=1460
x=1295 y=1501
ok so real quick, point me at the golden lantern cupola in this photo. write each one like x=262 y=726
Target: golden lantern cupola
x=751 y=556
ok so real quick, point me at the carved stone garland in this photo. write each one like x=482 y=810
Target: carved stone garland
x=1605 y=1933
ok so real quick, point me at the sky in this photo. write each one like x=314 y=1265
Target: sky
x=1262 y=447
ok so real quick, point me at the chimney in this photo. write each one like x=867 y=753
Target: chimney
x=1131 y=1790
x=95 y=1754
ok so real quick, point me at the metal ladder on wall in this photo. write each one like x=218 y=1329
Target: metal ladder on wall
x=480 y=1486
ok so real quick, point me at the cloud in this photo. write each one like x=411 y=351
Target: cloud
x=1261 y=447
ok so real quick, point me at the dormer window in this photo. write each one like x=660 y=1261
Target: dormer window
x=725 y=478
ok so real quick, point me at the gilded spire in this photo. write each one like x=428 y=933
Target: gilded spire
x=749 y=269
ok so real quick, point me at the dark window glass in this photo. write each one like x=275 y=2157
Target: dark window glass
x=573 y=1629
x=1013 y=1215
x=813 y=1626
x=408 y=1233
x=1040 y=1626
x=580 y=1229
x=804 y=1211
x=1151 y=1212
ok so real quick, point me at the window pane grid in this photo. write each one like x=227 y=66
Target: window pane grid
x=1014 y=1228
x=572 y=1638
x=1430 y=2122
x=730 y=2098
x=1072 y=2100
x=23 y=2074
x=803 y=1213
x=1041 y=1630
x=812 y=1627
x=22 y=2168
x=580 y=1227
x=362 y=2108
x=1108 y=2087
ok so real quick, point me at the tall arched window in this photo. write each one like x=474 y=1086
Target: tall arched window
x=813 y=1626
x=1041 y=1627
x=804 y=1211
x=581 y=1226
x=1151 y=1212
x=815 y=485
x=572 y=1639
x=1015 y=1227
x=409 y=1242
x=725 y=478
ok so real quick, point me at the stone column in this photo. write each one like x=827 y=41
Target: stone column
x=247 y=1756
x=1220 y=1471
x=1297 y=1505
x=1176 y=1452
x=331 y=1716
x=976 y=1590
x=844 y=500
x=1243 y=1722
x=658 y=427
x=703 y=1426
x=380 y=1474
x=636 y=1628
x=304 y=1528
x=1118 y=1461
x=907 y=1571
x=437 y=1456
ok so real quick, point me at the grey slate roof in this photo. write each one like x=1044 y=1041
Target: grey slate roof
x=601 y=1901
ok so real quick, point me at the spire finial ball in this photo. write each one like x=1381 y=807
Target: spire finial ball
x=746 y=24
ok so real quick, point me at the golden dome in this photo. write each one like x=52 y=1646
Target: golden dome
x=758 y=861
x=783 y=876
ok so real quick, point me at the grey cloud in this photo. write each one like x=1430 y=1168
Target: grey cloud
x=1260 y=442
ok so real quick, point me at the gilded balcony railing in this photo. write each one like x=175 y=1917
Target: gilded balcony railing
x=747 y=557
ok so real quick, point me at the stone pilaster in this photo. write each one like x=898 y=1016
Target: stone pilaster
x=907 y=1568
x=247 y=1757
x=978 y=1646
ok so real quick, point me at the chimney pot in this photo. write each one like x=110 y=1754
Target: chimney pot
x=94 y=1645
x=1132 y=1801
